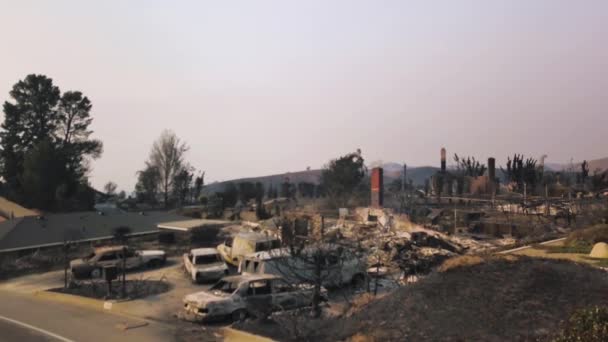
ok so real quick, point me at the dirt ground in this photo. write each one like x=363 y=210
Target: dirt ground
x=495 y=299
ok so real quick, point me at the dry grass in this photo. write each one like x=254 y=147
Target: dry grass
x=479 y=299
x=472 y=260
x=361 y=301
x=461 y=261
x=359 y=337
x=588 y=236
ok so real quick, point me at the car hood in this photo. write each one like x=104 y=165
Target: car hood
x=78 y=262
x=215 y=267
x=148 y=253
x=204 y=297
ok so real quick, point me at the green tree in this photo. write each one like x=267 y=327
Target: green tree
x=182 y=183
x=306 y=189
x=259 y=192
x=39 y=119
x=147 y=187
x=288 y=189
x=110 y=189
x=341 y=176
x=247 y=191
x=230 y=195
x=40 y=178
x=199 y=182
x=73 y=132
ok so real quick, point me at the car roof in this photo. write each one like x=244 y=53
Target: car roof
x=109 y=249
x=250 y=277
x=271 y=254
x=256 y=237
x=204 y=251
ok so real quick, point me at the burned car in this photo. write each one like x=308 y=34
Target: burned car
x=92 y=265
x=204 y=264
x=340 y=266
x=246 y=243
x=239 y=296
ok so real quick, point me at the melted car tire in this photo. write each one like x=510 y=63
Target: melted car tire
x=358 y=281
x=96 y=273
x=239 y=315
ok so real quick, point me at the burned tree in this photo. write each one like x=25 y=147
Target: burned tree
x=522 y=171
x=316 y=261
x=584 y=171
x=469 y=166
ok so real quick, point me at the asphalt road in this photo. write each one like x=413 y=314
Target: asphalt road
x=26 y=319
x=13 y=332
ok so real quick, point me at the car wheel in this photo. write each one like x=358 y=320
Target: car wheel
x=239 y=315
x=358 y=281
x=153 y=263
x=96 y=273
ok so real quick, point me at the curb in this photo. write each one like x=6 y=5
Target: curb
x=72 y=299
x=90 y=303
x=530 y=246
x=235 y=335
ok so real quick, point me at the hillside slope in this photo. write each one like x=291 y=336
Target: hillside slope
x=493 y=299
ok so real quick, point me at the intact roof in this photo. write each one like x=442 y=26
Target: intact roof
x=189 y=224
x=204 y=251
x=54 y=229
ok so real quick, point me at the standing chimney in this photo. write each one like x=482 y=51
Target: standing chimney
x=442 y=159
x=404 y=177
x=492 y=175
x=492 y=169
x=377 y=187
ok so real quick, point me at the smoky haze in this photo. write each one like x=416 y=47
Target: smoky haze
x=267 y=87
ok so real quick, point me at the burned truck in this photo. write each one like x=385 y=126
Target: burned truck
x=337 y=265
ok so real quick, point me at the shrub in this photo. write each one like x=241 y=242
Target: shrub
x=588 y=236
x=589 y=325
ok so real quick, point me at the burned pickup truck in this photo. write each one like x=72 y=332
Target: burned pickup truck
x=239 y=296
x=92 y=265
x=204 y=264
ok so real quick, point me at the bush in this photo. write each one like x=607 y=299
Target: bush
x=588 y=236
x=589 y=325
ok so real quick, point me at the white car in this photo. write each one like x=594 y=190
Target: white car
x=204 y=264
x=92 y=265
x=238 y=296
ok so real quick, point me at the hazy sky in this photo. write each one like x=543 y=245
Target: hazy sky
x=261 y=87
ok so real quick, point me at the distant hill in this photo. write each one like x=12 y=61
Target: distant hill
x=391 y=171
x=601 y=164
x=310 y=176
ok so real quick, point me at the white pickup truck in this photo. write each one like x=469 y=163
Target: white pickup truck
x=204 y=264
x=92 y=265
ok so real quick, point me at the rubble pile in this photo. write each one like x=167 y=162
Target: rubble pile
x=394 y=246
